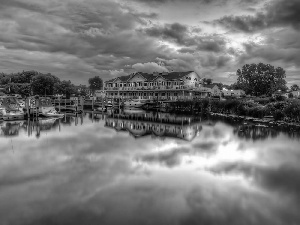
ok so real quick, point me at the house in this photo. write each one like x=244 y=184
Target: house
x=233 y=93
x=296 y=94
x=164 y=85
x=215 y=90
x=281 y=93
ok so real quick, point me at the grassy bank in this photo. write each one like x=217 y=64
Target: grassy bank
x=287 y=110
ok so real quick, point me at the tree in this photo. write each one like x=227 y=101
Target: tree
x=24 y=77
x=96 y=83
x=43 y=84
x=235 y=86
x=207 y=80
x=261 y=79
x=295 y=87
x=64 y=87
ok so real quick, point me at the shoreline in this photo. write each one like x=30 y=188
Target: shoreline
x=266 y=122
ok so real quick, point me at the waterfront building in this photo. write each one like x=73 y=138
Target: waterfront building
x=233 y=93
x=162 y=86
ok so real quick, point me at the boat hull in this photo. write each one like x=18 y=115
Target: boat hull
x=134 y=104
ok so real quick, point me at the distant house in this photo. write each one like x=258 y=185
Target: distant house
x=281 y=93
x=296 y=94
x=215 y=90
x=233 y=93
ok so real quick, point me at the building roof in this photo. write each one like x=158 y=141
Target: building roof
x=151 y=77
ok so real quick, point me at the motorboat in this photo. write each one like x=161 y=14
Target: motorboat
x=135 y=103
x=133 y=111
x=47 y=109
x=52 y=113
x=45 y=106
x=10 y=109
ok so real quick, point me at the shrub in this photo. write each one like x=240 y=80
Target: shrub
x=278 y=115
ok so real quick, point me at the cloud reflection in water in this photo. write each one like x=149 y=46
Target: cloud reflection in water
x=90 y=174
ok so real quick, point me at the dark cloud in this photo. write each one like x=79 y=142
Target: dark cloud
x=155 y=2
x=281 y=48
x=182 y=35
x=174 y=32
x=215 y=61
x=278 y=13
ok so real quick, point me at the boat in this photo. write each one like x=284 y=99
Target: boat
x=133 y=111
x=135 y=103
x=45 y=105
x=10 y=109
x=47 y=109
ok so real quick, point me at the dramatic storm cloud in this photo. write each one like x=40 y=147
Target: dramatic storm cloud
x=77 y=40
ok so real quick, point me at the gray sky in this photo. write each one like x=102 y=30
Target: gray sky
x=79 y=39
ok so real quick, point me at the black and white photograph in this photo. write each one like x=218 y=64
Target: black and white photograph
x=149 y=112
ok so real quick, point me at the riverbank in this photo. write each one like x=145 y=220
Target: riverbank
x=265 y=112
x=266 y=122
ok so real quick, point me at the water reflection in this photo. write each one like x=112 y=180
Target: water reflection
x=91 y=169
x=158 y=124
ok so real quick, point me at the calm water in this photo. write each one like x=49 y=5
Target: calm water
x=147 y=169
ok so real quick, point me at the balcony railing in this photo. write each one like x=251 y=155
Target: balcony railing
x=181 y=87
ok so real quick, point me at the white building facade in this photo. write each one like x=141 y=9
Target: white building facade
x=168 y=86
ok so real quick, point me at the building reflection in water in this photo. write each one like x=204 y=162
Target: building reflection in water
x=140 y=123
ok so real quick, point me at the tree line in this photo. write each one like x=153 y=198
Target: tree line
x=28 y=83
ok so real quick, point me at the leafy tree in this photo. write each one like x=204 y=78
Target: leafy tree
x=261 y=79
x=83 y=90
x=235 y=86
x=207 y=80
x=295 y=87
x=24 y=77
x=64 y=87
x=96 y=83
x=43 y=84
x=220 y=86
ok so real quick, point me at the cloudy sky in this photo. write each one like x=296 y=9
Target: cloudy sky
x=79 y=39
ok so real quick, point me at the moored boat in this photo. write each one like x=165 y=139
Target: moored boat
x=135 y=103
x=10 y=108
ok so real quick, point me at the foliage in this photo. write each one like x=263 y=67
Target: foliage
x=22 y=89
x=65 y=87
x=261 y=79
x=96 y=83
x=43 y=84
x=295 y=87
x=207 y=80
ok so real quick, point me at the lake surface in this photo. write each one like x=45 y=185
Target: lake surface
x=147 y=168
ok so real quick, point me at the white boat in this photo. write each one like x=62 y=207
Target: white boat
x=52 y=113
x=47 y=109
x=135 y=103
x=10 y=108
x=133 y=111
